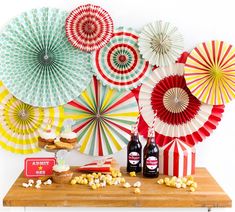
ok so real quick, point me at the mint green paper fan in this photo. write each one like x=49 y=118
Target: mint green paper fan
x=37 y=63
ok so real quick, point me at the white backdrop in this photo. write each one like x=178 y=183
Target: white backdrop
x=198 y=21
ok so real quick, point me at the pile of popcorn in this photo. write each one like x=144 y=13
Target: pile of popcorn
x=181 y=182
x=97 y=180
x=38 y=183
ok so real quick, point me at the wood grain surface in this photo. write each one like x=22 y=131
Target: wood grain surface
x=208 y=194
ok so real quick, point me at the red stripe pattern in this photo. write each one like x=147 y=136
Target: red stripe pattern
x=89 y=27
x=191 y=125
x=177 y=159
x=119 y=64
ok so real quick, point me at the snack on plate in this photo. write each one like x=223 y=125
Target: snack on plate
x=61 y=174
x=63 y=145
x=46 y=137
x=50 y=147
x=68 y=136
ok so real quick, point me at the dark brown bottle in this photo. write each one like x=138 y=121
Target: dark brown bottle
x=151 y=156
x=134 y=152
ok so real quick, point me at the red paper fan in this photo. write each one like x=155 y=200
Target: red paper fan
x=89 y=27
x=179 y=113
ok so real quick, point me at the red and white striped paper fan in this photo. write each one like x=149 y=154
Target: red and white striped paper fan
x=179 y=113
x=89 y=27
x=119 y=63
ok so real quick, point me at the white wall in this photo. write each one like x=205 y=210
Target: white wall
x=198 y=21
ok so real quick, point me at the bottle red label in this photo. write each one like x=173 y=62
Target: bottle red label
x=151 y=162
x=134 y=158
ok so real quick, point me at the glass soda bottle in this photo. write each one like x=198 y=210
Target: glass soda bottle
x=134 y=152
x=151 y=156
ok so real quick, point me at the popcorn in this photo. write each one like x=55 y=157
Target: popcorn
x=48 y=182
x=85 y=181
x=31 y=181
x=179 y=182
x=192 y=189
x=137 y=184
x=25 y=185
x=102 y=185
x=178 y=185
x=38 y=182
x=160 y=181
x=37 y=186
x=93 y=186
x=97 y=181
x=123 y=180
x=132 y=174
x=167 y=179
x=194 y=184
x=137 y=191
x=183 y=185
x=73 y=182
x=189 y=182
x=127 y=185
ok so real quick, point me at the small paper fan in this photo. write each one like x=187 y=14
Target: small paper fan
x=210 y=72
x=20 y=122
x=160 y=43
x=119 y=63
x=89 y=27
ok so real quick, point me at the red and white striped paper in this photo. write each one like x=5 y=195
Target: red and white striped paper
x=177 y=159
x=97 y=166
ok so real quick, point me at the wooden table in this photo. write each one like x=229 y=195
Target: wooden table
x=209 y=194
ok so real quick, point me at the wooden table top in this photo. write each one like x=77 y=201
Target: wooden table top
x=208 y=194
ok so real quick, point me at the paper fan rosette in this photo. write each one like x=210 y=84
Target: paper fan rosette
x=119 y=63
x=210 y=72
x=179 y=114
x=103 y=118
x=160 y=43
x=20 y=122
x=38 y=64
x=89 y=27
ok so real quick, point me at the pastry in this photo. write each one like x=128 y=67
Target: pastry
x=50 y=146
x=61 y=174
x=63 y=145
x=69 y=137
x=46 y=137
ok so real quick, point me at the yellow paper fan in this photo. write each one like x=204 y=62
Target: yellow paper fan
x=20 y=122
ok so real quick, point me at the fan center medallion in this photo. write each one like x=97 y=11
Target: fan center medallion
x=216 y=72
x=176 y=100
x=122 y=58
x=45 y=58
x=161 y=43
x=23 y=115
x=89 y=27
